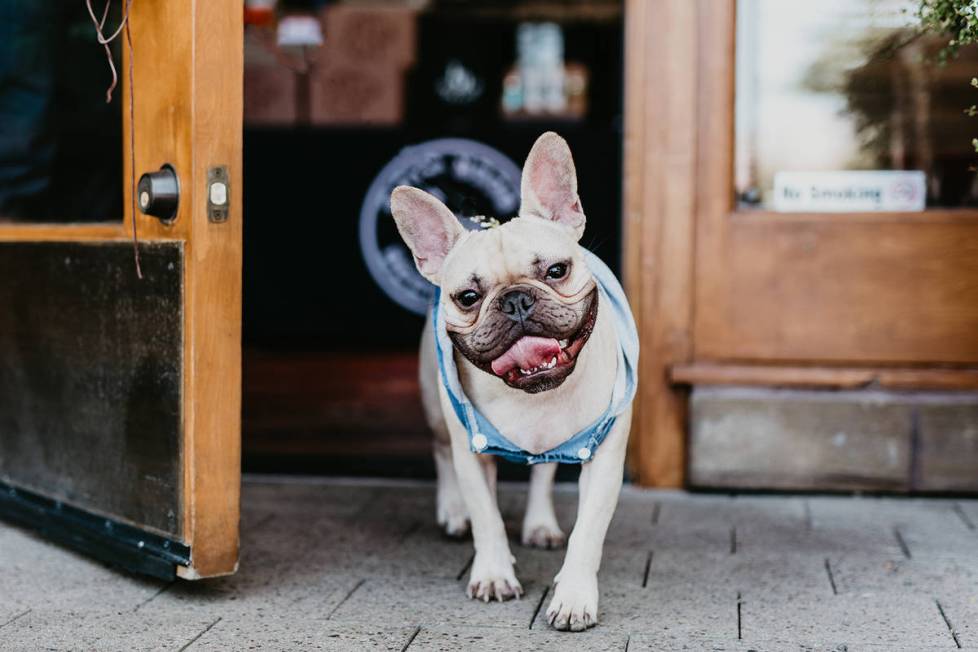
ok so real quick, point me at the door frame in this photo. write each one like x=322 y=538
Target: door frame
x=660 y=157
x=188 y=71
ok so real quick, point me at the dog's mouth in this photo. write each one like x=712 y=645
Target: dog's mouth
x=534 y=363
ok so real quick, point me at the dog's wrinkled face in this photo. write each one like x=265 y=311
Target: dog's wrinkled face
x=519 y=301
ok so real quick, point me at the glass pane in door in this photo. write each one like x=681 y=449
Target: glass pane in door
x=845 y=85
x=60 y=142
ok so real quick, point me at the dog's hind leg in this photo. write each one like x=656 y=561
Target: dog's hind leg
x=450 y=509
x=540 y=527
x=449 y=506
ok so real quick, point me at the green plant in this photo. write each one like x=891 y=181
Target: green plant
x=957 y=20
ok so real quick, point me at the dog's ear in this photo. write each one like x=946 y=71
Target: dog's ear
x=428 y=227
x=549 y=185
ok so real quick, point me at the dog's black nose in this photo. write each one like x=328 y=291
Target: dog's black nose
x=517 y=304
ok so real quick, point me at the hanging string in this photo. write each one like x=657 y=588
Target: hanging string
x=105 y=41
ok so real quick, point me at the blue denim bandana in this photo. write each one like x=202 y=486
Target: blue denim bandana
x=580 y=448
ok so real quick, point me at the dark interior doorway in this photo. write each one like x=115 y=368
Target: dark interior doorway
x=330 y=358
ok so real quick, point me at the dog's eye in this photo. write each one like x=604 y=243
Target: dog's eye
x=468 y=298
x=557 y=271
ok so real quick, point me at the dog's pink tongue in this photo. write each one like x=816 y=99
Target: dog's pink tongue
x=527 y=353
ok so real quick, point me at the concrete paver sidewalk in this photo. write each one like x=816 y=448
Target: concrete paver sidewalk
x=355 y=565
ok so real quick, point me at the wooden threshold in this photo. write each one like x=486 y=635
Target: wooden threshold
x=893 y=378
x=335 y=404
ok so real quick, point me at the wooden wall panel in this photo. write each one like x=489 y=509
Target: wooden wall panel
x=896 y=294
x=843 y=289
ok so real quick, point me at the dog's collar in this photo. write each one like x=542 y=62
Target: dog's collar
x=579 y=448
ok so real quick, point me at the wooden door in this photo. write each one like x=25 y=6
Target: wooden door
x=120 y=395
x=871 y=288
x=729 y=290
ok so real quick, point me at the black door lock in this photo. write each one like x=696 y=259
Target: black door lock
x=158 y=193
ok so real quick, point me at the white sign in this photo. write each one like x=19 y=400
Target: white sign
x=299 y=31
x=850 y=191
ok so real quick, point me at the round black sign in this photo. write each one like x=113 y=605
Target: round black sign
x=472 y=179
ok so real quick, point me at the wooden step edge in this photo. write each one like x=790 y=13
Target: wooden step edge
x=895 y=378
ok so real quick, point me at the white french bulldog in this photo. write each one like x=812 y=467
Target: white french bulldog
x=521 y=358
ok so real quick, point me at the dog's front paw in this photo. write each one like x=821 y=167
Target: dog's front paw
x=574 y=606
x=493 y=578
x=543 y=535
